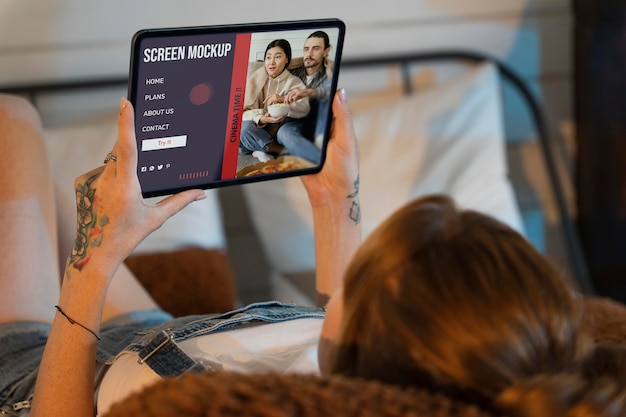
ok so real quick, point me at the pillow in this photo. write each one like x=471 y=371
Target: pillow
x=78 y=148
x=187 y=281
x=447 y=139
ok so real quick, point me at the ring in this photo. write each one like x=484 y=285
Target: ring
x=110 y=157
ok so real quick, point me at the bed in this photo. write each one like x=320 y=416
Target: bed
x=427 y=122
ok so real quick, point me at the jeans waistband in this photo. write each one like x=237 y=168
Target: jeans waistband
x=160 y=350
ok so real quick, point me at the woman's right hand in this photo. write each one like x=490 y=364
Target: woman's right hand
x=273 y=99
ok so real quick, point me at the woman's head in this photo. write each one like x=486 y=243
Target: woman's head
x=456 y=300
x=277 y=57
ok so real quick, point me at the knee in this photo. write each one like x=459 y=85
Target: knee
x=14 y=107
x=245 y=128
x=285 y=133
x=289 y=137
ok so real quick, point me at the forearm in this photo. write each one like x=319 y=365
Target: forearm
x=337 y=229
x=112 y=219
x=334 y=197
x=322 y=92
x=65 y=383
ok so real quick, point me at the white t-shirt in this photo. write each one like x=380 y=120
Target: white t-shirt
x=289 y=346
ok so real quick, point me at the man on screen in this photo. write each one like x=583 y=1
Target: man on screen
x=316 y=72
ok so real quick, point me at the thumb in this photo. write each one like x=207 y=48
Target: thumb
x=176 y=202
x=343 y=128
x=341 y=110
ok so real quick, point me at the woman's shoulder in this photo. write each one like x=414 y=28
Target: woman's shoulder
x=258 y=76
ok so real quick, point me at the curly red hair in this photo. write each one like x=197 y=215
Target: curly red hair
x=229 y=394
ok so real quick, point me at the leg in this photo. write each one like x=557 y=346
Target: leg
x=34 y=248
x=290 y=136
x=126 y=294
x=253 y=138
x=29 y=272
x=322 y=111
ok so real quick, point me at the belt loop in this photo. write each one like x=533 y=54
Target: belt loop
x=168 y=337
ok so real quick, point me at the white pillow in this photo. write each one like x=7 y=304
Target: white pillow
x=447 y=139
x=79 y=148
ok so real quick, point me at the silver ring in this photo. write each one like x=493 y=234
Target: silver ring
x=110 y=157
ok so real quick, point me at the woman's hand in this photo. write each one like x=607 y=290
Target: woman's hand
x=112 y=216
x=339 y=178
x=267 y=119
x=273 y=99
x=112 y=219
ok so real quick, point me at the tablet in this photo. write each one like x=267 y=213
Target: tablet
x=230 y=104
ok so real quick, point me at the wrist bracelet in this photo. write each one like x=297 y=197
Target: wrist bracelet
x=72 y=321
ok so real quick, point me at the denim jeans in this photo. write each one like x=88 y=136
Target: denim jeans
x=22 y=345
x=153 y=335
x=157 y=347
x=322 y=113
x=291 y=135
x=253 y=138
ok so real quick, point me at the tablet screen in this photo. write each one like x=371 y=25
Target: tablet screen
x=221 y=105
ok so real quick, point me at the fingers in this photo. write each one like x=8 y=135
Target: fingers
x=175 y=203
x=269 y=119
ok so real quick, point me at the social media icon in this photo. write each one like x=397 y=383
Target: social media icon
x=144 y=169
x=151 y=168
x=167 y=166
x=160 y=167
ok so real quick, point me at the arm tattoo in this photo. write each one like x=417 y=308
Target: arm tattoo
x=355 y=209
x=89 y=232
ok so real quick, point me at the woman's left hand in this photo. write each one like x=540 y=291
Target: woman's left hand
x=113 y=217
x=267 y=119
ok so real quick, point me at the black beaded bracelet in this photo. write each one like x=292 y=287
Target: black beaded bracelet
x=72 y=321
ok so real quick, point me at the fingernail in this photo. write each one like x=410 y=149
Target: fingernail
x=123 y=103
x=342 y=95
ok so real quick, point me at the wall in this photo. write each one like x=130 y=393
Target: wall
x=67 y=39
